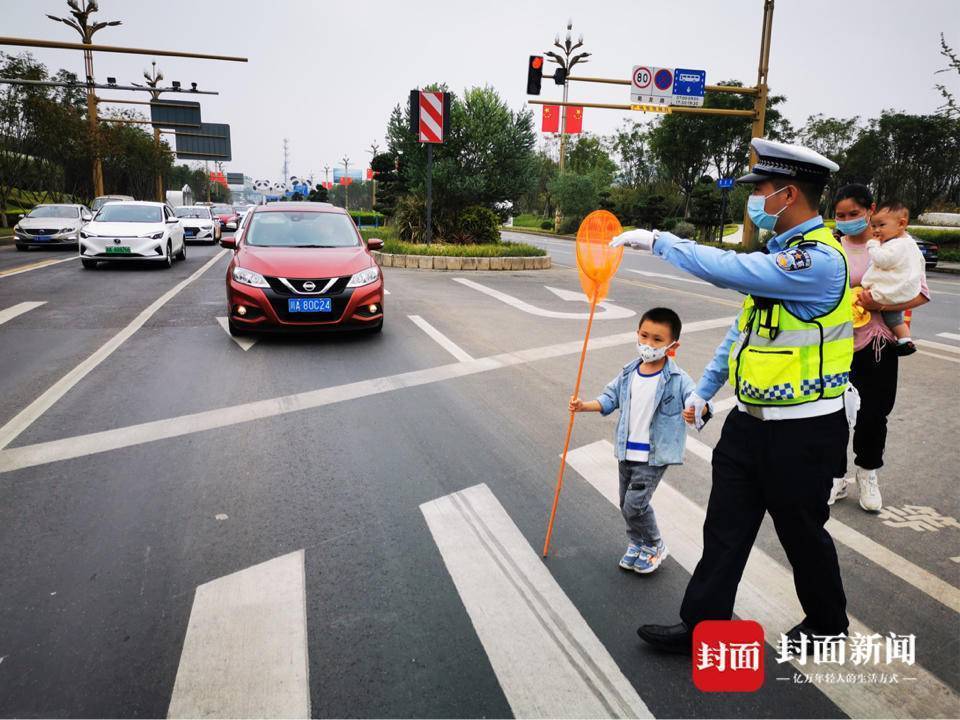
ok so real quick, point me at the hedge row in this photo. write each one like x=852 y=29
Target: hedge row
x=398 y=247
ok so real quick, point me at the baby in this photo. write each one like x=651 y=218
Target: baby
x=896 y=268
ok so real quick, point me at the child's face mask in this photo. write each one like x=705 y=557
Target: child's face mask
x=648 y=353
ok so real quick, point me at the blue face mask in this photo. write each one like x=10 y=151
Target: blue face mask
x=760 y=217
x=852 y=227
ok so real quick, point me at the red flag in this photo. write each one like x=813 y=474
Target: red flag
x=346 y=180
x=551 y=119
x=370 y=173
x=574 y=120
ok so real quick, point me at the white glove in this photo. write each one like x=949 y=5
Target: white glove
x=698 y=404
x=639 y=239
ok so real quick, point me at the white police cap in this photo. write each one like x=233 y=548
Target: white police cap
x=788 y=162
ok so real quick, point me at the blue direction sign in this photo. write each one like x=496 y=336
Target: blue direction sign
x=689 y=86
x=725 y=183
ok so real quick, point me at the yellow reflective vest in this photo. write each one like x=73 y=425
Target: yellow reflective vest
x=779 y=359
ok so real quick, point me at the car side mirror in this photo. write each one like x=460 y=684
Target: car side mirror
x=375 y=244
x=228 y=242
x=173 y=220
x=20 y=216
x=87 y=217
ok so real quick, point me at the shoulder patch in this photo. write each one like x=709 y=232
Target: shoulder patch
x=794 y=259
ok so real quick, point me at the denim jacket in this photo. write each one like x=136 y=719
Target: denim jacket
x=668 y=433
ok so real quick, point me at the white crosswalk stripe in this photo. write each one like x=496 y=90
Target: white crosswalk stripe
x=546 y=658
x=245 y=652
x=767 y=595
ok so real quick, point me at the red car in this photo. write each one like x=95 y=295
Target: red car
x=301 y=266
x=228 y=217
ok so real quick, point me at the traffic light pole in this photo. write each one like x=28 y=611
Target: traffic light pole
x=428 y=231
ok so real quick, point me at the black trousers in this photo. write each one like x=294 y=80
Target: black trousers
x=786 y=468
x=876 y=381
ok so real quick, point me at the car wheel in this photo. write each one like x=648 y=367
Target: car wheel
x=182 y=255
x=22 y=248
x=88 y=264
x=168 y=258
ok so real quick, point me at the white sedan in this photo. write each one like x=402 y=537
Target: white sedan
x=198 y=223
x=133 y=231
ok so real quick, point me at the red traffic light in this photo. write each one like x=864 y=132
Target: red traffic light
x=536 y=62
x=534 y=74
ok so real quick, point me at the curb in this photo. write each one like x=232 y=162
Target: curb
x=537 y=233
x=458 y=264
x=945 y=270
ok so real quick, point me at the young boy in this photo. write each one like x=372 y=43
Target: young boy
x=651 y=393
x=896 y=268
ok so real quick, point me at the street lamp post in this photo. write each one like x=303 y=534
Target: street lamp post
x=153 y=79
x=373 y=177
x=81 y=23
x=567 y=61
x=346 y=183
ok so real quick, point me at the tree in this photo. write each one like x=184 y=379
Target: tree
x=575 y=195
x=833 y=138
x=950 y=108
x=390 y=185
x=630 y=142
x=318 y=194
x=705 y=204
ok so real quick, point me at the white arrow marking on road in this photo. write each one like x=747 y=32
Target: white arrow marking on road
x=547 y=660
x=766 y=594
x=245 y=653
x=668 y=277
x=11 y=312
x=245 y=343
x=606 y=311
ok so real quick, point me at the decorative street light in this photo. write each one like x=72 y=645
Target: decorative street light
x=81 y=23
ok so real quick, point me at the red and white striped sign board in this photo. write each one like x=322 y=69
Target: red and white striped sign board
x=431 y=117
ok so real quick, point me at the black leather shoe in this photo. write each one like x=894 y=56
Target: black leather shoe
x=668 y=638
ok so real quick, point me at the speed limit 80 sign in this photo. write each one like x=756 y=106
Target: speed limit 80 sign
x=651 y=85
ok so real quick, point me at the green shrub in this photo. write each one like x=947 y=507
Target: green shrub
x=366 y=217
x=476 y=224
x=684 y=229
x=408 y=219
x=397 y=247
x=950 y=255
x=546 y=225
x=570 y=225
x=670 y=223
x=941 y=237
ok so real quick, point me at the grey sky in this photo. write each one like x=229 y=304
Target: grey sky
x=326 y=74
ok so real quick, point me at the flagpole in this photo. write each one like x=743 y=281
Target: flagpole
x=566 y=443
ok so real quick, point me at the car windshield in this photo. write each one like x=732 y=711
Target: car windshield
x=222 y=210
x=54 y=211
x=294 y=228
x=121 y=212
x=192 y=212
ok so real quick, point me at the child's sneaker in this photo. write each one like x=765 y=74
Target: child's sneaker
x=870 y=499
x=650 y=558
x=839 y=490
x=629 y=558
x=906 y=347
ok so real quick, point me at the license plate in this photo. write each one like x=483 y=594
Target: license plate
x=43 y=238
x=118 y=250
x=309 y=305
x=190 y=232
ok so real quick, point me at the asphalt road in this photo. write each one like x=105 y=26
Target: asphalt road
x=358 y=519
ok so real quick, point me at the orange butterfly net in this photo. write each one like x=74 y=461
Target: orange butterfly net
x=597 y=263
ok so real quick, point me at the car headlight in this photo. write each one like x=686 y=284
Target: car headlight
x=249 y=277
x=208 y=226
x=154 y=236
x=364 y=277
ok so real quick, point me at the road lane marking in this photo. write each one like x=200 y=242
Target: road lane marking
x=924 y=581
x=82 y=445
x=34 y=266
x=442 y=340
x=939 y=357
x=606 y=310
x=766 y=594
x=669 y=277
x=949 y=336
x=38 y=407
x=245 y=651
x=244 y=342
x=936 y=346
x=19 y=309
x=547 y=660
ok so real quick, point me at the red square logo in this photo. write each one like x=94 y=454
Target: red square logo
x=728 y=656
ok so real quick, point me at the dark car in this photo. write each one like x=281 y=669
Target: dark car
x=931 y=252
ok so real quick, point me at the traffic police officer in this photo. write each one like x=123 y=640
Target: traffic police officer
x=788 y=358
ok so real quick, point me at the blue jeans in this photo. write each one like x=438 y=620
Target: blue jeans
x=638 y=481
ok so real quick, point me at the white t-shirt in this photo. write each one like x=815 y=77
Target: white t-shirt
x=643 y=393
